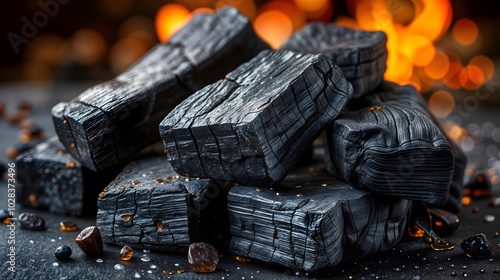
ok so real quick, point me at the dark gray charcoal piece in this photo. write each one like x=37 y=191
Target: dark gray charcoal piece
x=360 y=54
x=390 y=144
x=112 y=121
x=317 y=225
x=50 y=178
x=149 y=206
x=253 y=126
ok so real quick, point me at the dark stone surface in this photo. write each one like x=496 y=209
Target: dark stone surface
x=360 y=54
x=112 y=121
x=253 y=126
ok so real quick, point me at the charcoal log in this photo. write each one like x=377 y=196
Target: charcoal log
x=310 y=223
x=360 y=54
x=50 y=178
x=149 y=206
x=390 y=144
x=112 y=121
x=253 y=126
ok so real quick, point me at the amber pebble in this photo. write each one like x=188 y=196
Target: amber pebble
x=70 y=164
x=5 y=216
x=415 y=231
x=182 y=271
x=240 y=259
x=126 y=253
x=477 y=246
x=126 y=217
x=259 y=190
x=300 y=195
x=32 y=199
x=202 y=257
x=159 y=225
x=159 y=180
x=168 y=272
x=101 y=195
x=66 y=225
x=90 y=241
x=31 y=221
x=121 y=187
x=17 y=117
x=494 y=202
x=444 y=223
x=135 y=182
x=466 y=200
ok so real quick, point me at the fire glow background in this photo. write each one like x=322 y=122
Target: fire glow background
x=447 y=49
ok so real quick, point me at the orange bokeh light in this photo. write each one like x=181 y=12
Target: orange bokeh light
x=202 y=10
x=274 y=27
x=486 y=66
x=169 y=19
x=296 y=15
x=246 y=7
x=310 y=6
x=465 y=31
x=451 y=79
x=441 y=103
x=438 y=67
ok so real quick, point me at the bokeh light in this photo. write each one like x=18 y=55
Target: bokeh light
x=441 y=103
x=246 y=7
x=169 y=19
x=438 y=67
x=87 y=46
x=465 y=31
x=274 y=27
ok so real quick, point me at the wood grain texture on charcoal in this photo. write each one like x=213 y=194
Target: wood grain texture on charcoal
x=319 y=224
x=253 y=126
x=360 y=54
x=56 y=181
x=112 y=121
x=149 y=206
x=389 y=143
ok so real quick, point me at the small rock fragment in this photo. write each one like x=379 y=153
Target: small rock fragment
x=126 y=253
x=63 y=253
x=477 y=246
x=90 y=241
x=66 y=225
x=5 y=216
x=494 y=202
x=202 y=257
x=444 y=223
x=31 y=221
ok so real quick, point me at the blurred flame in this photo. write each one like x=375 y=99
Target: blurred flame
x=438 y=67
x=169 y=19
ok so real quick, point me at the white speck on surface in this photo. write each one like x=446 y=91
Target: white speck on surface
x=118 y=266
x=145 y=259
x=99 y=260
x=153 y=266
x=137 y=275
x=55 y=264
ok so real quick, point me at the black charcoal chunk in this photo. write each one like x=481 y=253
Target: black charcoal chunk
x=50 y=178
x=360 y=54
x=149 y=206
x=112 y=121
x=253 y=126
x=390 y=144
x=309 y=223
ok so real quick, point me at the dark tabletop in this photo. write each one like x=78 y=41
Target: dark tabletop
x=411 y=259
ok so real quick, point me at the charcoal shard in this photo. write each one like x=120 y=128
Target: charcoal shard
x=360 y=54
x=390 y=144
x=109 y=122
x=253 y=126
x=149 y=206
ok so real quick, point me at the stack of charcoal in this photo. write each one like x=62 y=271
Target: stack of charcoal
x=235 y=119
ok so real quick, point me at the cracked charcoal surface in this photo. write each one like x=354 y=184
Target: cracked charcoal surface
x=360 y=54
x=163 y=211
x=112 y=121
x=313 y=226
x=253 y=126
x=391 y=144
x=43 y=172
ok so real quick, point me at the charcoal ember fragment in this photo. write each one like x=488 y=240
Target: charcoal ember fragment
x=360 y=54
x=31 y=221
x=90 y=241
x=58 y=181
x=66 y=225
x=164 y=211
x=477 y=246
x=444 y=223
x=111 y=121
x=253 y=126
x=63 y=253
x=390 y=144
x=320 y=223
x=202 y=257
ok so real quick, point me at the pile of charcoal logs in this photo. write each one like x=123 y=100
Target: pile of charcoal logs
x=235 y=119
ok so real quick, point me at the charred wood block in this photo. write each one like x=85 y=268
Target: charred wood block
x=112 y=121
x=50 y=178
x=319 y=224
x=149 y=206
x=390 y=144
x=252 y=127
x=360 y=54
